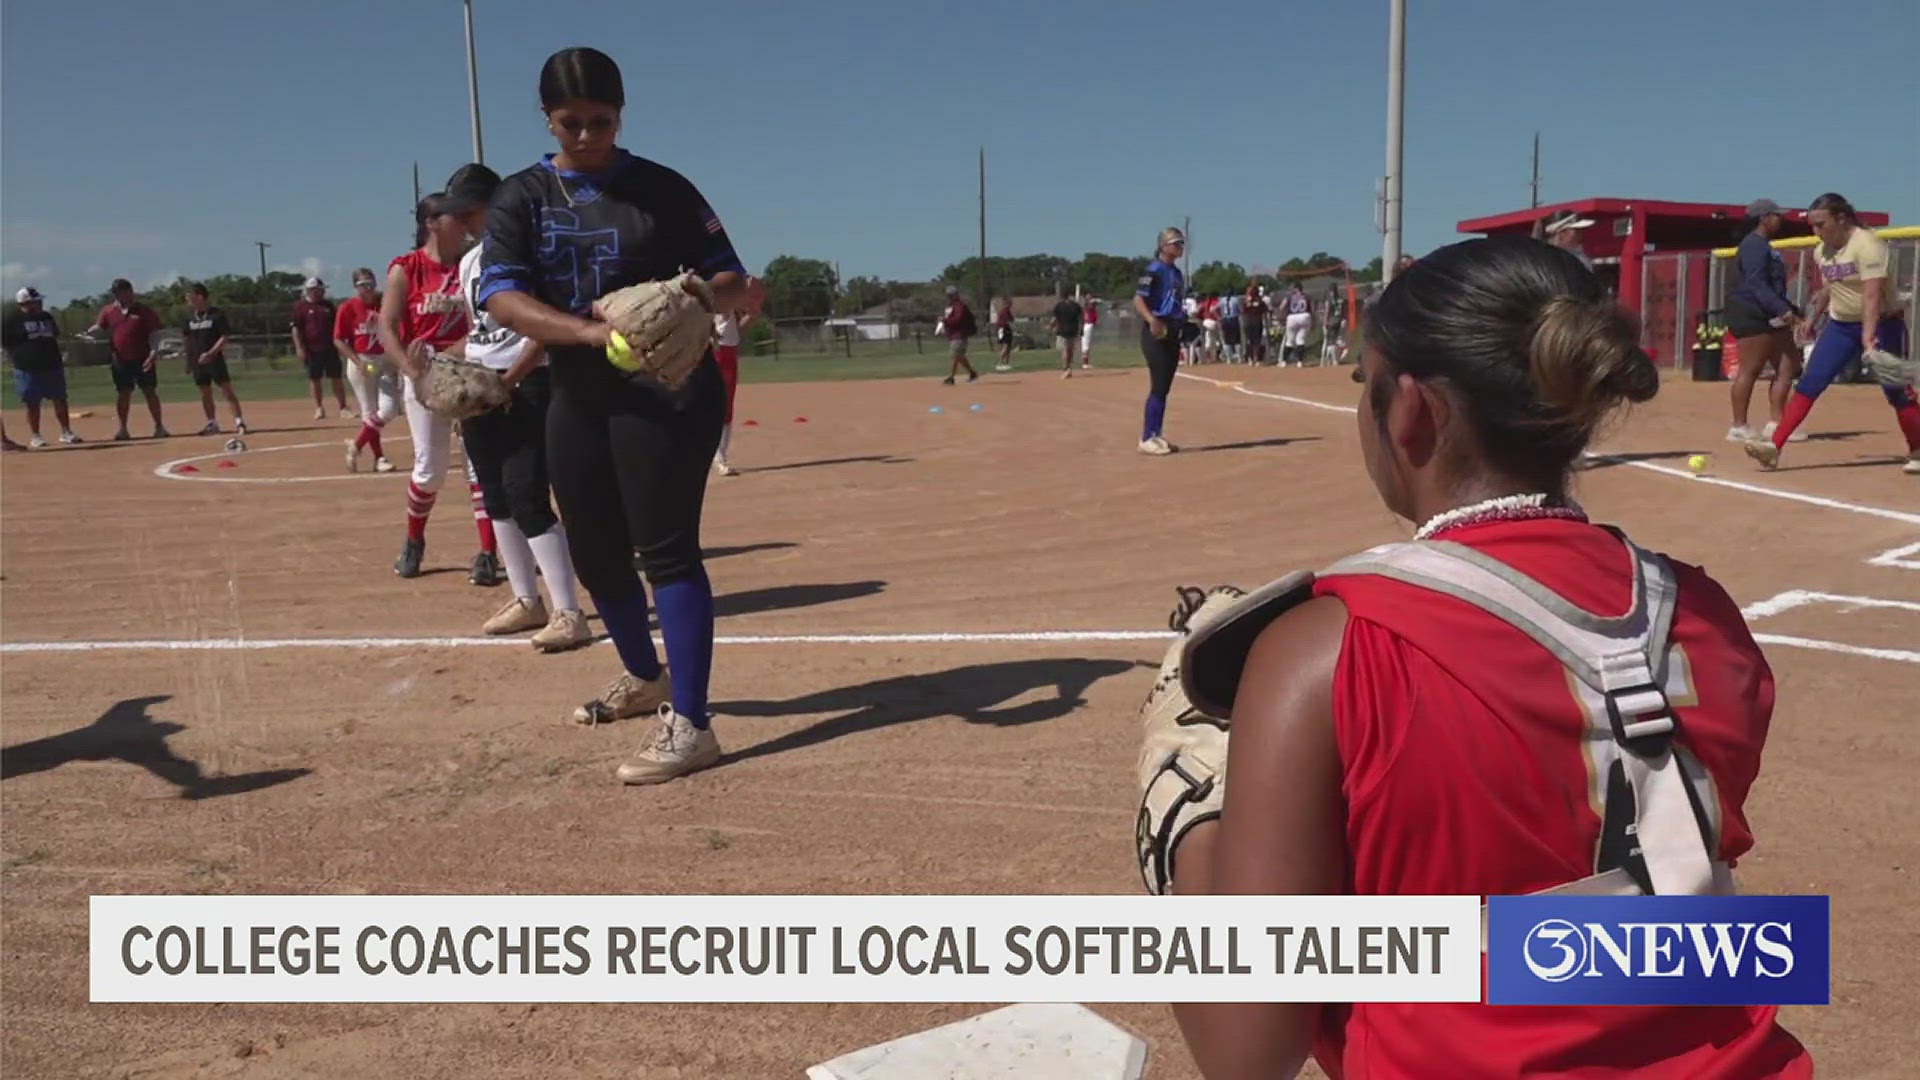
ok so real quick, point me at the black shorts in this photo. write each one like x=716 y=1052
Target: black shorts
x=324 y=365
x=128 y=376
x=1745 y=321
x=1003 y=335
x=213 y=371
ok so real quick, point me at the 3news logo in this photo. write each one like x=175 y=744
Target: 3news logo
x=1657 y=950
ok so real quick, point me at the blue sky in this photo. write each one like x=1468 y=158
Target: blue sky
x=148 y=140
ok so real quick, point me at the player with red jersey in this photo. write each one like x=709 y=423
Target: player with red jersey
x=421 y=312
x=1401 y=727
x=356 y=335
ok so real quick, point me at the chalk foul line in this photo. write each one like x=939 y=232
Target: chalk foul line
x=1665 y=470
x=165 y=470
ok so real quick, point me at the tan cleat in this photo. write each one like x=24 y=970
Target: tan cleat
x=1764 y=452
x=627 y=695
x=676 y=749
x=1156 y=446
x=515 y=616
x=566 y=630
x=1912 y=467
x=381 y=464
x=724 y=468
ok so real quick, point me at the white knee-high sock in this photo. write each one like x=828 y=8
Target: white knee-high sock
x=518 y=555
x=556 y=565
x=726 y=437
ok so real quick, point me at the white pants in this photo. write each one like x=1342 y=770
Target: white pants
x=1210 y=337
x=432 y=443
x=1086 y=338
x=1298 y=324
x=378 y=393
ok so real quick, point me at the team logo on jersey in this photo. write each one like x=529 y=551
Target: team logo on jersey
x=711 y=220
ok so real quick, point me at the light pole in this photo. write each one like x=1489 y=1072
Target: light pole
x=1396 y=79
x=263 y=246
x=473 y=88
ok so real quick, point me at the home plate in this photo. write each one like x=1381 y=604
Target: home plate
x=1056 y=1041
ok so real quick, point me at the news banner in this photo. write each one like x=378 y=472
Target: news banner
x=1536 y=950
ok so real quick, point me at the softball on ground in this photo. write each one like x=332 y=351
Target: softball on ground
x=619 y=353
x=373 y=369
x=1697 y=462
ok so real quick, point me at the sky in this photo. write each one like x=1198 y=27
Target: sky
x=148 y=141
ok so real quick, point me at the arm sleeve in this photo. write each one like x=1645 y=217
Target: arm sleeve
x=100 y=320
x=699 y=240
x=1146 y=286
x=1754 y=282
x=220 y=328
x=509 y=253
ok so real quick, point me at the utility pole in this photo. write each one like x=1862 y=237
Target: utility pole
x=416 y=183
x=1396 y=87
x=263 y=246
x=1536 y=168
x=473 y=89
x=983 y=300
x=1186 y=253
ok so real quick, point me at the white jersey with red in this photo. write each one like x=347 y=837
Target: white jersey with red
x=726 y=330
x=436 y=310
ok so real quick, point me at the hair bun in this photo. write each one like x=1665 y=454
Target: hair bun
x=1585 y=359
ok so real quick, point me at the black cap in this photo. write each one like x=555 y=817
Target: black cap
x=120 y=283
x=470 y=188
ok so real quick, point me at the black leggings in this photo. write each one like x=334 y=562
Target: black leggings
x=1163 y=356
x=630 y=475
x=508 y=449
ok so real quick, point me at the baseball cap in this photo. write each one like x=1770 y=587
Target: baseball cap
x=1568 y=220
x=120 y=283
x=313 y=283
x=26 y=294
x=1760 y=208
x=470 y=188
x=953 y=290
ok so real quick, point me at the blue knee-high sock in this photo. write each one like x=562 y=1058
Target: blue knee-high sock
x=1156 y=415
x=626 y=622
x=686 y=622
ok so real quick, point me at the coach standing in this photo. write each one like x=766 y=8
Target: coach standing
x=312 y=327
x=206 y=332
x=131 y=327
x=32 y=339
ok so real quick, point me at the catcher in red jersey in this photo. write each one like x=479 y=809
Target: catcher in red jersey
x=1454 y=715
x=423 y=311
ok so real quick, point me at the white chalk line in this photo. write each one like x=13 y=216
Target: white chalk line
x=1838 y=647
x=164 y=470
x=1665 y=470
x=1797 y=598
x=1903 y=558
x=265 y=644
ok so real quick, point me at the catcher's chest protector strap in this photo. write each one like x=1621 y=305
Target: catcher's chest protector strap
x=1657 y=831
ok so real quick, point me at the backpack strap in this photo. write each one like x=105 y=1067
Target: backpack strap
x=1657 y=829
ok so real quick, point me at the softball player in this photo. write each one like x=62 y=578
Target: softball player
x=1090 y=309
x=1299 y=310
x=507 y=451
x=1159 y=303
x=421 y=311
x=375 y=382
x=726 y=353
x=1862 y=312
x=1384 y=715
x=630 y=458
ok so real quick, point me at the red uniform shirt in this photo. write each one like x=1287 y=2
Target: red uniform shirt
x=957 y=319
x=313 y=321
x=436 y=311
x=132 y=329
x=1092 y=314
x=1465 y=773
x=358 y=324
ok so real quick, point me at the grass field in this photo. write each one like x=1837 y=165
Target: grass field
x=280 y=377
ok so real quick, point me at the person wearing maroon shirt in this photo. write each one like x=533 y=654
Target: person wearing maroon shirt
x=1003 y=334
x=131 y=327
x=313 y=343
x=958 y=324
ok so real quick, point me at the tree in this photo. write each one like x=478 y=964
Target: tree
x=1369 y=272
x=1024 y=275
x=1109 y=276
x=1218 y=278
x=799 y=288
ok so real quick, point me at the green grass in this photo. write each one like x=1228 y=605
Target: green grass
x=281 y=378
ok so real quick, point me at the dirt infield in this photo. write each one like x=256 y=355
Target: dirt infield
x=348 y=736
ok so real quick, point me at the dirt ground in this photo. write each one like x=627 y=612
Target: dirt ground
x=960 y=767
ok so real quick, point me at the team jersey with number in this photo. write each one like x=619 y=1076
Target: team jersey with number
x=358 y=324
x=1465 y=773
x=436 y=311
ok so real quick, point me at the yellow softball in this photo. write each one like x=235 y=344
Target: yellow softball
x=619 y=353
x=1697 y=462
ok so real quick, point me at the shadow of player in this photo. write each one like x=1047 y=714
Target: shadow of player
x=977 y=693
x=126 y=733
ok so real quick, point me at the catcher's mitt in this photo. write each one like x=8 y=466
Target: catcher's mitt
x=1891 y=370
x=1183 y=751
x=661 y=329
x=457 y=388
